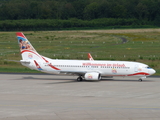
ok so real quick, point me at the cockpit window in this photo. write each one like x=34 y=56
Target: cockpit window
x=148 y=67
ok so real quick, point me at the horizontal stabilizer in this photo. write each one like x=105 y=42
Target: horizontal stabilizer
x=12 y=60
x=25 y=61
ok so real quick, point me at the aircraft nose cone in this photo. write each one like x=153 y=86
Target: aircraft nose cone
x=152 y=71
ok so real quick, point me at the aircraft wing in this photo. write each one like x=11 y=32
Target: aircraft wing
x=73 y=72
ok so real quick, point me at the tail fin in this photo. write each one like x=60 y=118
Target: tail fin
x=27 y=50
x=24 y=44
x=90 y=57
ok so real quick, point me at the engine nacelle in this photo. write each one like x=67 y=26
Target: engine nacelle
x=92 y=76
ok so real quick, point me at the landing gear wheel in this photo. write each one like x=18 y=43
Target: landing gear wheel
x=140 y=80
x=79 y=79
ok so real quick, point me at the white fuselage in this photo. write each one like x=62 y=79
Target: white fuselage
x=85 y=69
x=105 y=68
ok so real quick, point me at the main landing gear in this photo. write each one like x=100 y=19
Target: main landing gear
x=79 y=78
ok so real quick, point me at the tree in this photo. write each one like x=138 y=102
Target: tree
x=34 y=10
x=104 y=10
x=68 y=11
x=142 y=11
x=91 y=11
x=119 y=11
x=79 y=6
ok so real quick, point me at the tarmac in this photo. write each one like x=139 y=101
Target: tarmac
x=54 y=97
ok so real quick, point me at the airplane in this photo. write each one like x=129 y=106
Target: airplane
x=84 y=69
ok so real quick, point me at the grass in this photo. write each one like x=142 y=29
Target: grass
x=143 y=45
x=12 y=69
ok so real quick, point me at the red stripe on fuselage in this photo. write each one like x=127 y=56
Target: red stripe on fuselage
x=53 y=67
x=31 y=52
x=50 y=64
x=45 y=60
x=35 y=54
x=37 y=65
x=41 y=57
x=140 y=73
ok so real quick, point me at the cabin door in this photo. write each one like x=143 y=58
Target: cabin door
x=136 y=68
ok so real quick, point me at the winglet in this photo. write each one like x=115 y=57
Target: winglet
x=90 y=57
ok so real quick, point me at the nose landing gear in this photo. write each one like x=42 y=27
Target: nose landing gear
x=140 y=79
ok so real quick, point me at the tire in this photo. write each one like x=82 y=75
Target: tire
x=79 y=79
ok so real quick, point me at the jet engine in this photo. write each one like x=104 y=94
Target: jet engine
x=92 y=76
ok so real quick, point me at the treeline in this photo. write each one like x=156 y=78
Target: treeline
x=84 y=11
x=54 y=24
x=81 y=9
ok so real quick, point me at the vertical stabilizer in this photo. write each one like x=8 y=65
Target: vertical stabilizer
x=27 y=50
